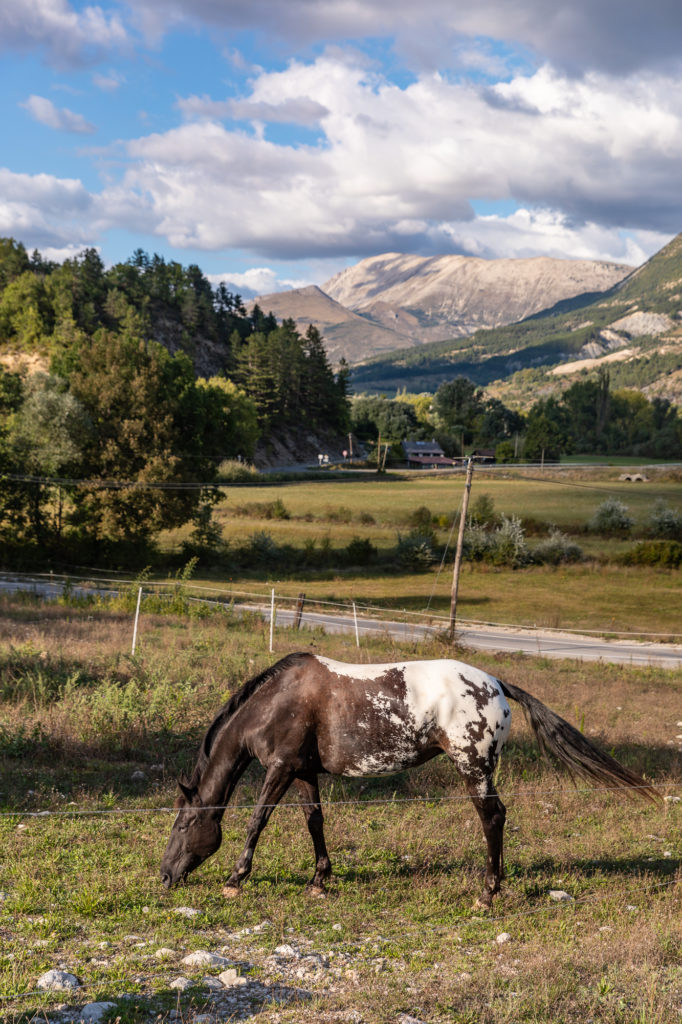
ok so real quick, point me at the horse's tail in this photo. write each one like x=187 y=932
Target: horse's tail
x=576 y=753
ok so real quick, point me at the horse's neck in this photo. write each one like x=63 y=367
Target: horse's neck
x=225 y=765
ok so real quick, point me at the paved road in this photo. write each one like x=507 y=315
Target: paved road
x=547 y=644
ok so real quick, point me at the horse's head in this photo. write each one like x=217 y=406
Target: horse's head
x=195 y=835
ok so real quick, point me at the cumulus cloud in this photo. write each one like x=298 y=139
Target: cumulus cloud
x=46 y=212
x=255 y=281
x=577 y=36
x=60 y=118
x=395 y=166
x=69 y=37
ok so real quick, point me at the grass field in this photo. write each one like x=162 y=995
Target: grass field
x=397 y=933
x=596 y=593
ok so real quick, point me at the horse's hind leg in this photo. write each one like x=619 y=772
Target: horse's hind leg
x=309 y=793
x=492 y=813
x=277 y=781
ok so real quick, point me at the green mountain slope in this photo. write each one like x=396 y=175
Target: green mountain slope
x=636 y=328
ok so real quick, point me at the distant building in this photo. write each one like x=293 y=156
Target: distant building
x=426 y=455
x=483 y=454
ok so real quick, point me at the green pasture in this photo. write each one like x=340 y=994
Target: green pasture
x=566 y=498
x=596 y=593
x=80 y=889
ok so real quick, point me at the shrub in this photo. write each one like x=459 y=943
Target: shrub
x=261 y=549
x=482 y=511
x=360 y=551
x=509 y=547
x=234 y=472
x=505 y=545
x=556 y=548
x=665 y=554
x=611 y=517
x=477 y=542
x=664 y=522
x=420 y=519
x=415 y=551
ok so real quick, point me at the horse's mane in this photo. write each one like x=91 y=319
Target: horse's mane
x=233 y=705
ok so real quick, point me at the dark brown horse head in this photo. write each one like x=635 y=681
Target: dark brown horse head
x=195 y=835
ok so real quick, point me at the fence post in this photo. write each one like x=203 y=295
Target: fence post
x=355 y=619
x=137 y=617
x=458 y=552
x=272 y=617
x=298 y=614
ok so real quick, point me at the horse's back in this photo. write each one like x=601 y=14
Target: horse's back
x=382 y=718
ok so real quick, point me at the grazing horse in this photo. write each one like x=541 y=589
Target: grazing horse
x=307 y=715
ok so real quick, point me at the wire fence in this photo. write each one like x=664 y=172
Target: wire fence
x=551 y=791
x=212 y=593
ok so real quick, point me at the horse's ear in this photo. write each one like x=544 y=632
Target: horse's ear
x=187 y=791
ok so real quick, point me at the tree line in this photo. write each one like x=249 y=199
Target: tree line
x=589 y=417
x=120 y=416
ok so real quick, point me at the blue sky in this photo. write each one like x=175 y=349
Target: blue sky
x=275 y=143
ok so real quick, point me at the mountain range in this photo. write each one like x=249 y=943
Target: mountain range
x=521 y=328
x=396 y=300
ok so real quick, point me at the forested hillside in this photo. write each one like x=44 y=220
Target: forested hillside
x=149 y=379
x=636 y=326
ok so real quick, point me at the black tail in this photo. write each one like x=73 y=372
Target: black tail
x=573 y=750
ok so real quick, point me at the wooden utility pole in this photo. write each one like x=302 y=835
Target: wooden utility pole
x=458 y=553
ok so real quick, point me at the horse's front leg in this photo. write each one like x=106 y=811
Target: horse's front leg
x=277 y=781
x=492 y=813
x=309 y=792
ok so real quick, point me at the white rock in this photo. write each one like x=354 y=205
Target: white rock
x=138 y=776
x=672 y=799
x=211 y=983
x=164 y=954
x=230 y=978
x=200 y=958
x=93 y=1012
x=502 y=938
x=285 y=950
x=337 y=927
x=180 y=984
x=560 y=896
x=186 y=911
x=58 y=981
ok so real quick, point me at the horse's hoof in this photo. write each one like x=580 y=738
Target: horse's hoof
x=483 y=903
x=317 y=891
x=230 y=891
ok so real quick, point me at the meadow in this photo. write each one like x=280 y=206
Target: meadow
x=317 y=519
x=97 y=738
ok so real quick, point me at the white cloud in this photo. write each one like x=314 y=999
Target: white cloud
x=46 y=212
x=69 y=37
x=395 y=166
x=60 y=118
x=110 y=82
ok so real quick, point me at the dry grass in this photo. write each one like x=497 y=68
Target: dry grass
x=406 y=868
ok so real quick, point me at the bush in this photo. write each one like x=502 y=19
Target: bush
x=482 y=511
x=664 y=522
x=415 y=551
x=420 y=519
x=611 y=518
x=665 y=554
x=360 y=551
x=556 y=548
x=232 y=471
x=509 y=546
x=504 y=546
